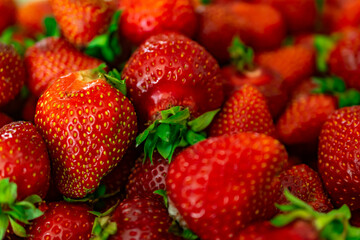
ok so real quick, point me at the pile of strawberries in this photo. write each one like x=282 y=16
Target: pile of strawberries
x=180 y=119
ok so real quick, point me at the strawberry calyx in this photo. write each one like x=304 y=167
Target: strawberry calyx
x=12 y=212
x=323 y=46
x=174 y=129
x=242 y=56
x=332 y=225
x=106 y=46
x=7 y=37
x=103 y=227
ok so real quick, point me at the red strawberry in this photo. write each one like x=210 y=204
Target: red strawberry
x=302 y=120
x=24 y=159
x=348 y=16
x=143 y=18
x=81 y=21
x=29 y=108
x=8 y=13
x=228 y=181
x=245 y=111
x=253 y=23
x=87 y=125
x=5 y=119
x=305 y=183
x=63 y=220
x=299 y=64
x=51 y=58
x=171 y=70
x=12 y=73
x=338 y=156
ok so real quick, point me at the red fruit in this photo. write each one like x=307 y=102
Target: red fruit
x=31 y=16
x=252 y=23
x=147 y=177
x=269 y=83
x=305 y=183
x=63 y=220
x=24 y=159
x=294 y=13
x=299 y=64
x=81 y=21
x=245 y=111
x=4 y=119
x=348 y=16
x=338 y=156
x=8 y=13
x=228 y=181
x=87 y=125
x=171 y=70
x=302 y=120
x=12 y=73
x=142 y=218
x=29 y=108
x=51 y=58
x=143 y=18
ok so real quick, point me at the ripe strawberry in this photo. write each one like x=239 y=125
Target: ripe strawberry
x=63 y=220
x=87 y=125
x=338 y=156
x=170 y=70
x=8 y=13
x=12 y=73
x=24 y=159
x=299 y=64
x=293 y=13
x=253 y=23
x=228 y=181
x=245 y=111
x=348 y=16
x=302 y=120
x=81 y=21
x=31 y=16
x=4 y=119
x=51 y=58
x=143 y=18
x=305 y=183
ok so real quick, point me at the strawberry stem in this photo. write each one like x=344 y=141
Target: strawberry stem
x=103 y=227
x=242 y=56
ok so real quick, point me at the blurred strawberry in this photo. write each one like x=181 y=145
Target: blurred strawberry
x=4 y=119
x=348 y=16
x=8 y=13
x=29 y=108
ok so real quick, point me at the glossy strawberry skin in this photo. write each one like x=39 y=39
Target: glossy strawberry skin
x=143 y=18
x=81 y=21
x=171 y=70
x=301 y=122
x=12 y=73
x=338 y=156
x=245 y=111
x=228 y=181
x=51 y=58
x=8 y=13
x=142 y=218
x=304 y=183
x=87 y=125
x=63 y=220
x=24 y=159
x=253 y=23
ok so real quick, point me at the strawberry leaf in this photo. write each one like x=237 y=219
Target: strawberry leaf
x=202 y=122
x=103 y=227
x=114 y=78
x=330 y=85
x=193 y=137
x=351 y=97
x=8 y=192
x=163 y=132
x=4 y=223
x=323 y=46
x=242 y=56
x=164 y=149
x=51 y=27
x=163 y=193
x=17 y=228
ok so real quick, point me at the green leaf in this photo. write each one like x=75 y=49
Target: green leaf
x=353 y=233
x=17 y=228
x=4 y=223
x=323 y=46
x=142 y=136
x=149 y=146
x=8 y=191
x=202 y=122
x=179 y=117
x=351 y=97
x=163 y=132
x=297 y=202
x=188 y=234
x=51 y=27
x=164 y=148
x=163 y=193
x=241 y=55
x=32 y=214
x=165 y=114
x=330 y=85
x=193 y=137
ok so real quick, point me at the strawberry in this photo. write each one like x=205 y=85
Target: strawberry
x=63 y=220
x=252 y=23
x=81 y=21
x=31 y=16
x=138 y=218
x=51 y=58
x=348 y=16
x=338 y=154
x=299 y=64
x=24 y=159
x=245 y=111
x=87 y=125
x=143 y=18
x=228 y=181
x=29 y=108
x=8 y=13
x=174 y=71
x=5 y=119
x=302 y=120
x=305 y=183
x=12 y=73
